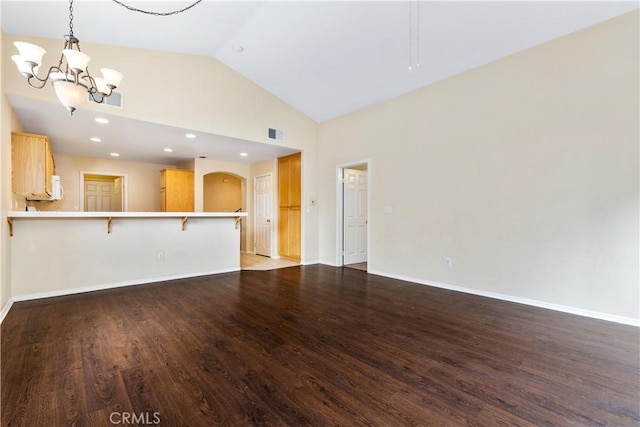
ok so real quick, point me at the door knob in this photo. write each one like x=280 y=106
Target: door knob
x=268 y=220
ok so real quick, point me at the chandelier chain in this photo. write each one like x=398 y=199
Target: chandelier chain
x=174 y=12
x=71 y=78
x=410 y=35
x=71 y=18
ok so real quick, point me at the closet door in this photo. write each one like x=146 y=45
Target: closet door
x=289 y=201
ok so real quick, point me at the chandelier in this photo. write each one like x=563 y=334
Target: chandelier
x=70 y=78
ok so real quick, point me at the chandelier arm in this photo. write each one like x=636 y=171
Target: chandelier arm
x=43 y=81
x=175 y=12
x=91 y=80
x=94 y=89
x=89 y=76
x=99 y=100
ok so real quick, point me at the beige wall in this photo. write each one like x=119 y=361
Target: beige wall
x=233 y=106
x=143 y=182
x=5 y=188
x=203 y=167
x=8 y=123
x=222 y=192
x=93 y=259
x=524 y=172
x=221 y=196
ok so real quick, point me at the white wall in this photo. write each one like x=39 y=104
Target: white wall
x=524 y=172
x=60 y=256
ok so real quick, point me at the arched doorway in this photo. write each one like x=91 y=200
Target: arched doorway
x=225 y=192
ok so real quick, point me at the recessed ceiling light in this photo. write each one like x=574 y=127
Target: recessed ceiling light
x=95 y=139
x=237 y=47
x=115 y=155
x=244 y=154
x=101 y=120
x=190 y=135
x=169 y=150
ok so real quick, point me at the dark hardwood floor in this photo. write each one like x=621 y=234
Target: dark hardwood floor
x=314 y=346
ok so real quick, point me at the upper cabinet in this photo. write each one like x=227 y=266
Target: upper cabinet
x=176 y=190
x=289 y=185
x=32 y=166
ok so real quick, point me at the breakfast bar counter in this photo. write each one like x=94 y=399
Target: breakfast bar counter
x=57 y=253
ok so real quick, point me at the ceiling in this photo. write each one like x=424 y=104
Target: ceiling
x=133 y=140
x=325 y=58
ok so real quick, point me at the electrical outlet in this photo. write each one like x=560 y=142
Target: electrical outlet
x=448 y=263
x=160 y=255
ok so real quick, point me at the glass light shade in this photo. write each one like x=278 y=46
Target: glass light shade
x=24 y=67
x=111 y=77
x=102 y=87
x=71 y=95
x=77 y=60
x=30 y=52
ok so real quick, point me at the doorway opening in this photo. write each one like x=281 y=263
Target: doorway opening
x=103 y=192
x=353 y=215
x=226 y=192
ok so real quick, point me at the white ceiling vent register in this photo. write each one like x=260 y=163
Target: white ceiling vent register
x=115 y=100
x=276 y=134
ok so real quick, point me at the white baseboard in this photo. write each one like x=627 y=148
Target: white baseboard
x=329 y=263
x=106 y=286
x=5 y=310
x=310 y=262
x=535 y=303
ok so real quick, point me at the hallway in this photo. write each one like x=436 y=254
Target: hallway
x=259 y=262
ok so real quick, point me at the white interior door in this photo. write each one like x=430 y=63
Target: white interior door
x=98 y=196
x=263 y=209
x=355 y=216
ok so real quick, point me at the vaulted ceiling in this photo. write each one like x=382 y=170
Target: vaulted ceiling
x=325 y=58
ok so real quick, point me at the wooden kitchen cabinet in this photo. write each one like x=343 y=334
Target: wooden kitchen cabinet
x=289 y=197
x=176 y=190
x=32 y=165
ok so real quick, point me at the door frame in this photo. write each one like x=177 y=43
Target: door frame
x=340 y=208
x=272 y=251
x=125 y=188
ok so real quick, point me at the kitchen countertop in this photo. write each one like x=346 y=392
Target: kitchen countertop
x=60 y=214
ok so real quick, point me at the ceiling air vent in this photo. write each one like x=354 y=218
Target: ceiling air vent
x=276 y=134
x=115 y=100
